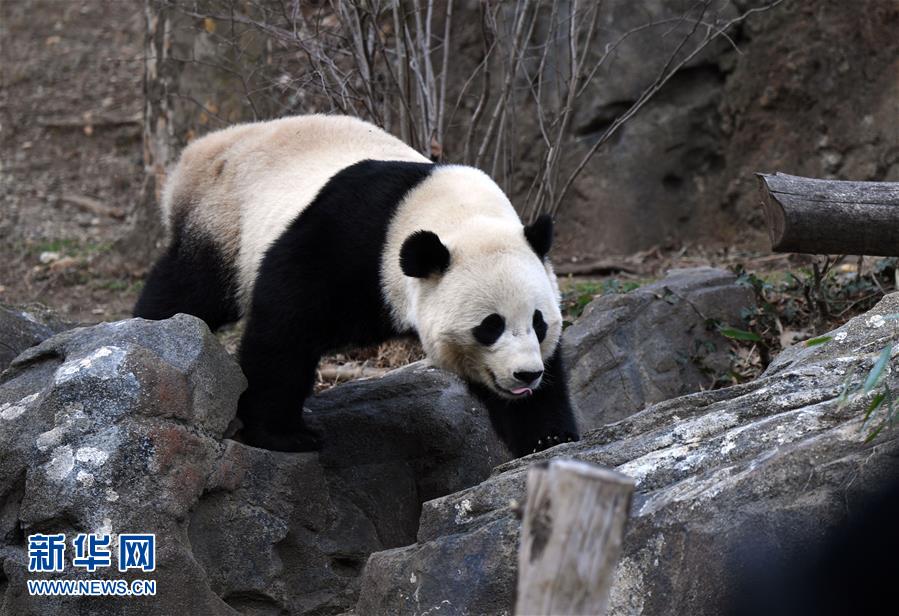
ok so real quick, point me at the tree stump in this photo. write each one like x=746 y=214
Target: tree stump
x=571 y=537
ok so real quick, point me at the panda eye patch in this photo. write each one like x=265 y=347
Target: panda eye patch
x=539 y=326
x=490 y=329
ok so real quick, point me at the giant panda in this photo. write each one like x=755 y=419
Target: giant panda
x=325 y=232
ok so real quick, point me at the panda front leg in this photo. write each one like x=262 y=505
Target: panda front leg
x=280 y=370
x=540 y=421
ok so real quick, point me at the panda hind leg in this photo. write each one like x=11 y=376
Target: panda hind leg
x=191 y=277
x=280 y=373
x=272 y=419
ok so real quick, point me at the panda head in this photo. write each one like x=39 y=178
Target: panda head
x=486 y=303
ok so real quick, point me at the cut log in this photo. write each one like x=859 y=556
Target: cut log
x=829 y=216
x=571 y=537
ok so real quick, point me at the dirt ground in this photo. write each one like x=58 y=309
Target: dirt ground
x=71 y=97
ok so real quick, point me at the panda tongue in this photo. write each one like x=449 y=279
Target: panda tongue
x=522 y=390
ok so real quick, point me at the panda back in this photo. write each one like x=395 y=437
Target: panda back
x=243 y=186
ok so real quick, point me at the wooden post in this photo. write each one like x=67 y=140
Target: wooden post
x=830 y=216
x=571 y=537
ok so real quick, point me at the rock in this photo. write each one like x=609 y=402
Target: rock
x=641 y=40
x=466 y=573
x=628 y=351
x=119 y=428
x=657 y=166
x=687 y=160
x=402 y=439
x=657 y=169
x=271 y=538
x=310 y=521
x=24 y=327
x=110 y=429
x=774 y=462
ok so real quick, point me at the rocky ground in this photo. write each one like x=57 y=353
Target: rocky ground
x=409 y=507
x=731 y=484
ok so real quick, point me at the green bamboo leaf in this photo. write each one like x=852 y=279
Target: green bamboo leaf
x=819 y=340
x=739 y=334
x=878 y=368
x=874 y=434
x=875 y=404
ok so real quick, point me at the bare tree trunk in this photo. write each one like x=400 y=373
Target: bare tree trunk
x=571 y=537
x=829 y=216
x=137 y=248
x=158 y=75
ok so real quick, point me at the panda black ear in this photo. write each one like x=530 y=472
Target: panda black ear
x=423 y=254
x=539 y=235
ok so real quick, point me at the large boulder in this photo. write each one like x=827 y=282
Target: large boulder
x=652 y=344
x=119 y=428
x=777 y=461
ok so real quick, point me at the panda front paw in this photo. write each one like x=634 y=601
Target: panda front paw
x=552 y=440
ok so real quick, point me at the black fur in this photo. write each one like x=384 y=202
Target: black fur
x=423 y=254
x=191 y=277
x=318 y=288
x=539 y=235
x=539 y=326
x=489 y=330
x=539 y=421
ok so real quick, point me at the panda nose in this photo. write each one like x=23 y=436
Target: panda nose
x=528 y=377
